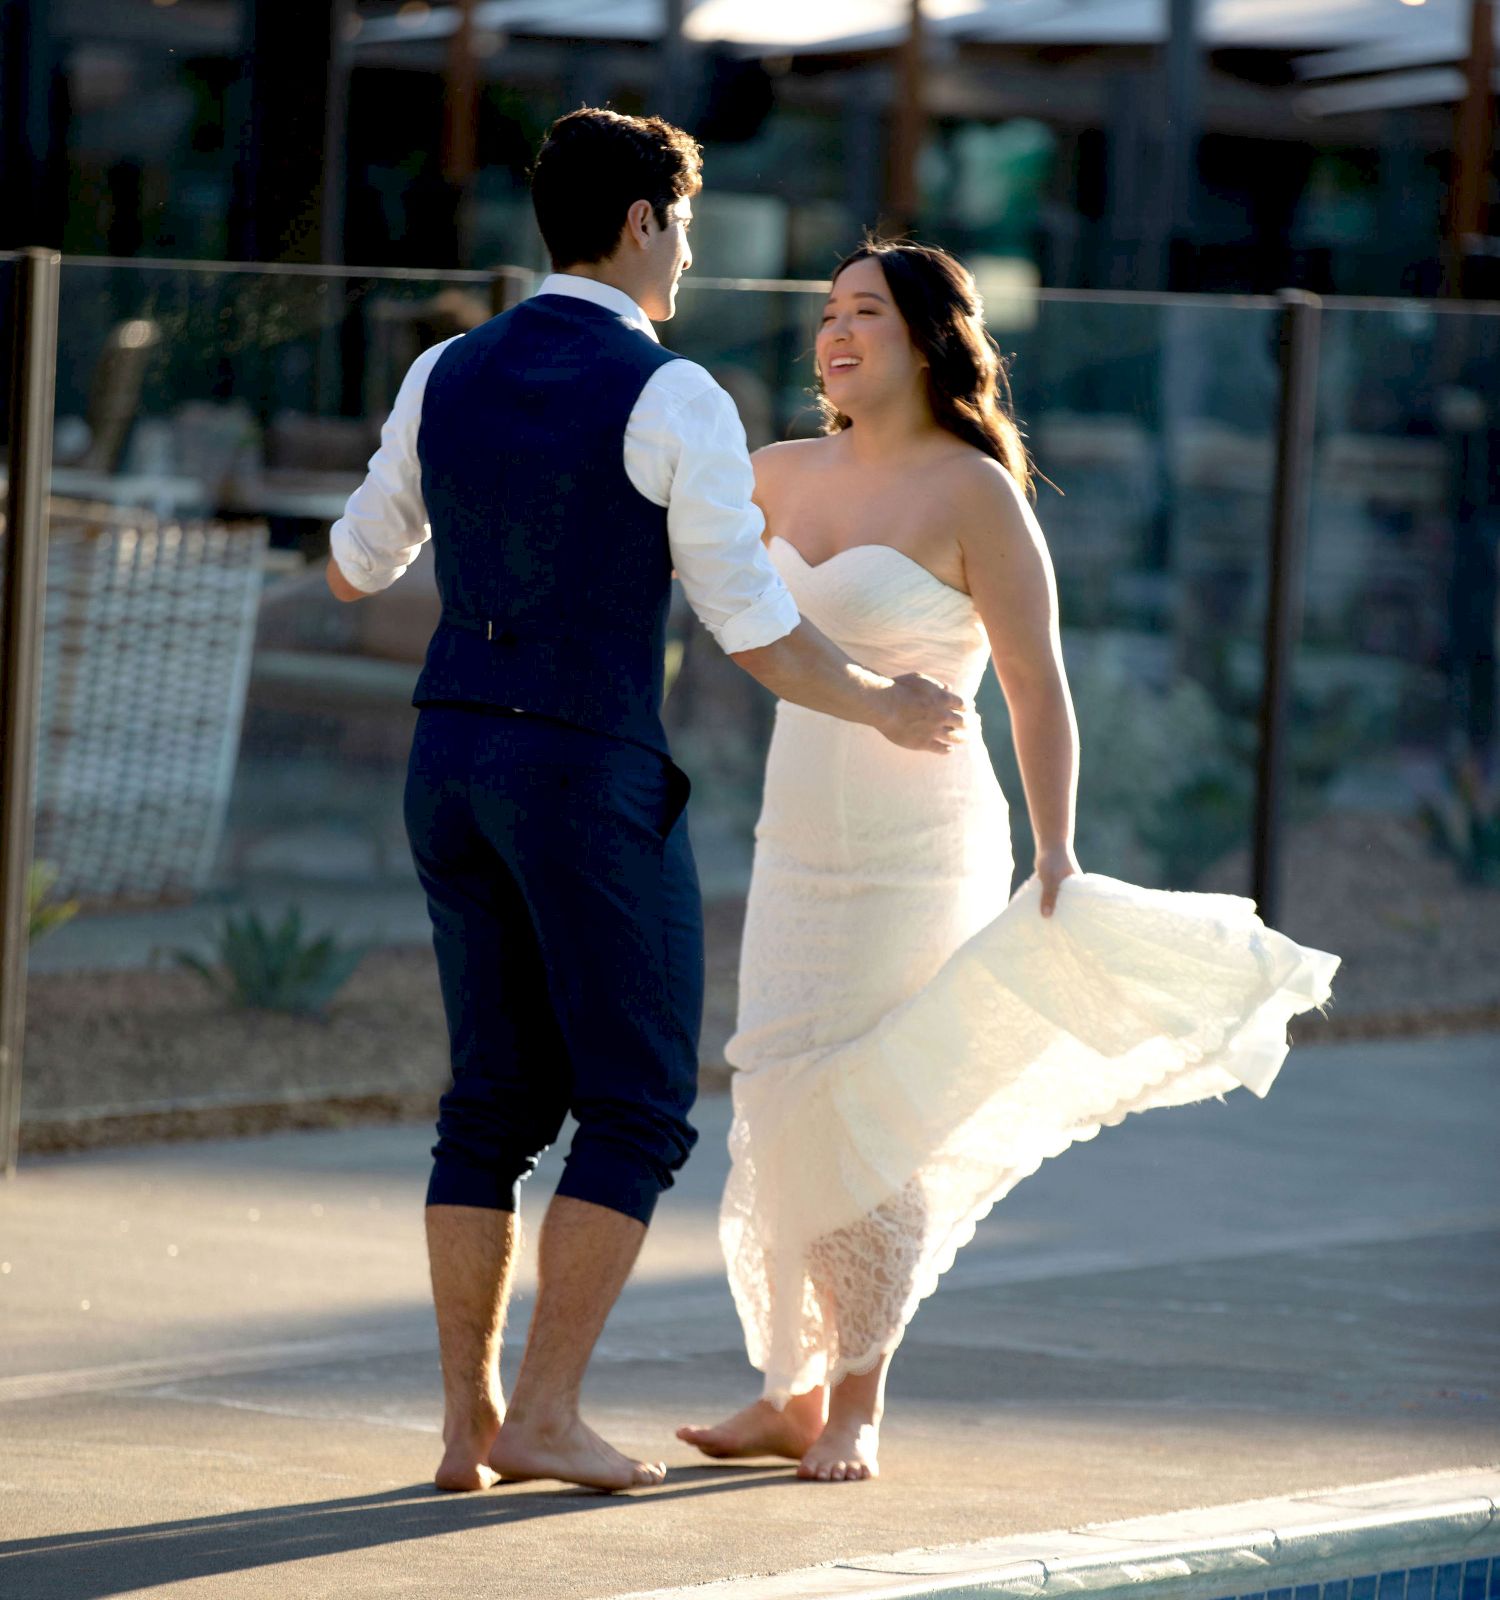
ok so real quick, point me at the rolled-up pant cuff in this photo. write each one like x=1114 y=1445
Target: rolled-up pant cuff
x=619 y=1180
x=457 y=1183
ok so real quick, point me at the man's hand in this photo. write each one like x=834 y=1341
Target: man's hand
x=341 y=587
x=808 y=669
x=1052 y=866
x=921 y=714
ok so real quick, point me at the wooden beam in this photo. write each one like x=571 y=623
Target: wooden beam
x=1473 y=144
x=33 y=158
x=461 y=102
x=277 y=210
x=461 y=128
x=908 y=127
x=673 y=99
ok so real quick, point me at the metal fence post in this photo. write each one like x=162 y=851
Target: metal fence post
x=1301 y=315
x=33 y=373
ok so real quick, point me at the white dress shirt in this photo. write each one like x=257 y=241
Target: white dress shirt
x=684 y=449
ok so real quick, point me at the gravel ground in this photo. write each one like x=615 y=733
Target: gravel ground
x=117 y=1056
x=113 y=1056
x=1419 y=945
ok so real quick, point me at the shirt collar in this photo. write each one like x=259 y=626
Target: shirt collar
x=599 y=294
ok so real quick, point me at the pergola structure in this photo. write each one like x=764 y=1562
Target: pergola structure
x=1149 y=75
x=1346 y=59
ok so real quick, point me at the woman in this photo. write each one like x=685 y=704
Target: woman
x=910 y=1045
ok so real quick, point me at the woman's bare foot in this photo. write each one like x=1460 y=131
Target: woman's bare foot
x=762 y=1430
x=566 y=1448
x=845 y=1452
x=466 y=1446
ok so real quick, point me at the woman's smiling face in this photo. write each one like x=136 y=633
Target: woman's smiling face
x=864 y=350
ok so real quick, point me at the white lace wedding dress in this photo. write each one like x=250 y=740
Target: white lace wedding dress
x=910 y=1046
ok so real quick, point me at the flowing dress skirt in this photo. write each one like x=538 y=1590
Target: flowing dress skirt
x=912 y=1042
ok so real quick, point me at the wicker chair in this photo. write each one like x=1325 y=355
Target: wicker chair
x=145 y=660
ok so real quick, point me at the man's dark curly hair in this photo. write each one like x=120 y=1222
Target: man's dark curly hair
x=593 y=166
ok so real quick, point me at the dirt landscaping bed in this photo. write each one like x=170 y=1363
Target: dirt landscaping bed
x=127 y=1056
x=1420 y=947
x=116 y=1057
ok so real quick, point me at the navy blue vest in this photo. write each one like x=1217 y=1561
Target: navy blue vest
x=554 y=570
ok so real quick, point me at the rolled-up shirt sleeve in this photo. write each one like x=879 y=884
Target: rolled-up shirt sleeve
x=685 y=449
x=384 y=524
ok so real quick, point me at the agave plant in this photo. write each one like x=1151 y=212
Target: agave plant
x=1463 y=821
x=45 y=915
x=275 y=968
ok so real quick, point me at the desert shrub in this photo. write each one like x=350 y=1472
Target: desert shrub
x=275 y=968
x=1462 y=821
x=44 y=914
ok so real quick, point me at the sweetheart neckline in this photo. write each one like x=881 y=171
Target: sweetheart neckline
x=848 y=550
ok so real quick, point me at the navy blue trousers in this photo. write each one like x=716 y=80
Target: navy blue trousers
x=568 y=929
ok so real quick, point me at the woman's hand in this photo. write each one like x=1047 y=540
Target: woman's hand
x=1052 y=866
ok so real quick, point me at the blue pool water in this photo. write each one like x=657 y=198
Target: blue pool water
x=1466 y=1577
x=1453 y=1580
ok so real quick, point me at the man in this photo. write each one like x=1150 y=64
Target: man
x=565 y=464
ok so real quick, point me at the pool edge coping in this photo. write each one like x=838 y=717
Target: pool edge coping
x=1243 y=1539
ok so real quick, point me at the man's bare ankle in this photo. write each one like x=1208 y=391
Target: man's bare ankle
x=464 y=1428
x=549 y=1419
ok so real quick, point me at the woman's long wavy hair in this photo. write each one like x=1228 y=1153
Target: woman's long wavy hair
x=967 y=384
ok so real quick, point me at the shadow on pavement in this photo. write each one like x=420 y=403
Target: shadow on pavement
x=115 y=1561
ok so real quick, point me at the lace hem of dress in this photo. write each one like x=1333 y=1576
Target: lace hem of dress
x=1308 y=986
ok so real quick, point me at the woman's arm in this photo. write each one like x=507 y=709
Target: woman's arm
x=1009 y=573
x=774 y=465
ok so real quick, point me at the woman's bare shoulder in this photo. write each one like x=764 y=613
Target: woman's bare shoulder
x=775 y=461
x=983 y=495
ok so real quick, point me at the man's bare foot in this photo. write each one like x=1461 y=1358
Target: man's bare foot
x=569 y=1450
x=845 y=1452
x=465 y=1449
x=762 y=1430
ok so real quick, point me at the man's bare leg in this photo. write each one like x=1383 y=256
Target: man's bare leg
x=848 y=1448
x=761 y=1430
x=470 y=1250
x=587 y=1252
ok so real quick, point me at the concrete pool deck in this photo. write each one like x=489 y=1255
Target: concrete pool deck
x=218 y=1375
